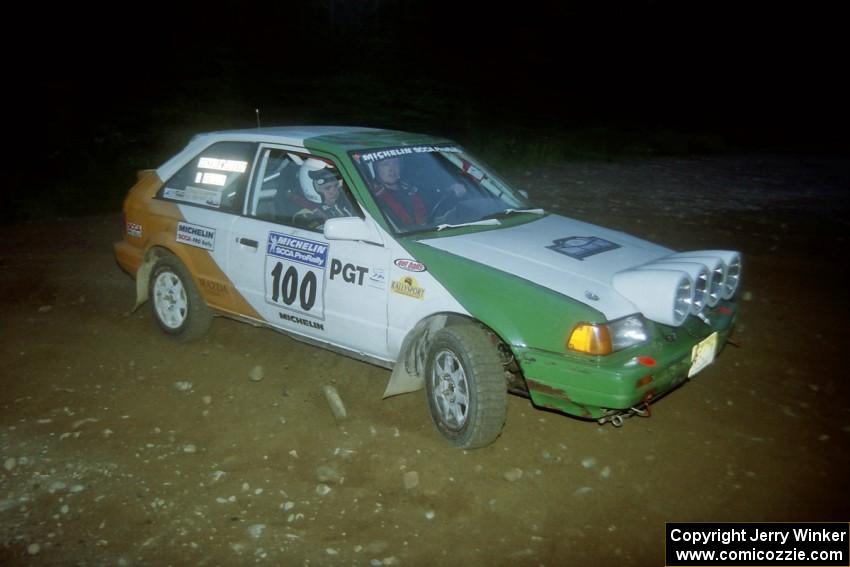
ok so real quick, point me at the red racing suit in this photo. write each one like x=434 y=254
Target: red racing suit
x=404 y=206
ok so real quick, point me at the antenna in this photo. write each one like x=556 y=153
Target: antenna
x=257 y=110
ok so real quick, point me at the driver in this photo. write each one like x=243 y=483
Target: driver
x=401 y=201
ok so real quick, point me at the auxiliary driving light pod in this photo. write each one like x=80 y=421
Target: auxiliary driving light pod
x=661 y=295
x=698 y=273
x=716 y=271
x=732 y=260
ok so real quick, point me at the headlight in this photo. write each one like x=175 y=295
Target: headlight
x=605 y=338
x=627 y=332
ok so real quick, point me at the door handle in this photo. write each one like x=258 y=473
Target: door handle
x=247 y=242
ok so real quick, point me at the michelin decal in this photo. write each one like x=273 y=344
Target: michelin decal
x=196 y=235
x=295 y=276
x=398 y=152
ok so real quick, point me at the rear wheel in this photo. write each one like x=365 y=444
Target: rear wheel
x=175 y=302
x=465 y=385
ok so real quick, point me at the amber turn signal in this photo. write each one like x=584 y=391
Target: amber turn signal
x=590 y=339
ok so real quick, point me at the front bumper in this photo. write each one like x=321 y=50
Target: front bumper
x=589 y=386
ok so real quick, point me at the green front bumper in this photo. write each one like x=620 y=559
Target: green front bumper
x=588 y=386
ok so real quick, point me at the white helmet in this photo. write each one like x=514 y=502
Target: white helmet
x=309 y=172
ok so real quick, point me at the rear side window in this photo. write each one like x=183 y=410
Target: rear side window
x=215 y=179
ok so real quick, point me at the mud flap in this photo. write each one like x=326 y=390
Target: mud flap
x=143 y=275
x=402 y=381
x=415 y=345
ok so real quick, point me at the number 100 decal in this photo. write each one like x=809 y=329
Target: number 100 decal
x=295 y=274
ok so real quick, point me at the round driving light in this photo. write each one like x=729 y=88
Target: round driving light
x=682 y=302
x=733 y=277
x=731 y=273
x=699 y=276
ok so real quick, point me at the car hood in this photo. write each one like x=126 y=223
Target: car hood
x=571 y=257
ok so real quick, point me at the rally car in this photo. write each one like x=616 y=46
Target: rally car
x=405 y=251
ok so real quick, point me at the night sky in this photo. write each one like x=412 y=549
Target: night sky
x=106 y=94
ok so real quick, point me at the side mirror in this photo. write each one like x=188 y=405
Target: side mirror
x=350 y=228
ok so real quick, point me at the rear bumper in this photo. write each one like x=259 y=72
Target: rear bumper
x=129 y=257
x=589 y=386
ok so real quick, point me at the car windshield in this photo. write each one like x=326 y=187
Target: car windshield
x=421 y=188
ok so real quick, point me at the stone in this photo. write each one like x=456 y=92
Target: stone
x=256 y=374
x=327 y=473
x=256 y=531
x=335 y=402
x=411 y=480
x=513 y=475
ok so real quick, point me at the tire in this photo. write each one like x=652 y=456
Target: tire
x=177 y=307
x=465 y=385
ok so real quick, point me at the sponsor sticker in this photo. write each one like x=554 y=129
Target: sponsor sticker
x=209 y=178
x=233 y=165
x=350 y=273
x=294 y=249
x=134 y=229
x=408 y=286
x=214 y=287
x=295 y=276
x=403 y=151
x=378 y=278
x=580 y=247
x=410 y=265
x=302 y=321
x=196 y=195
x=196 y=235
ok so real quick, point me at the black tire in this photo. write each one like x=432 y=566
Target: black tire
x=177 y=307
x=464 y=358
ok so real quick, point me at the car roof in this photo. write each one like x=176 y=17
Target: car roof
x=295 y=135
x=345 y=137
x=327 y=138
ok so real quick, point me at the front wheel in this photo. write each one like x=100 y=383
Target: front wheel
x=175 y=302
x=465 y=385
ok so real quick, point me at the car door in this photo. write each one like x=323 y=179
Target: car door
x=279 y=260
x=208 y=193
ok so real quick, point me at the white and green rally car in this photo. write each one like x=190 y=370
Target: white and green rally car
x=405 y=251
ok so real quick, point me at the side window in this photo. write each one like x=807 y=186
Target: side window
x=216 y=178
x=299 y=190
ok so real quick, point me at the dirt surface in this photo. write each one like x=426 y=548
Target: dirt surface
x=122 y=447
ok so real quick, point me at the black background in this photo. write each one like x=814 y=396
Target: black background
x=93 y=95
